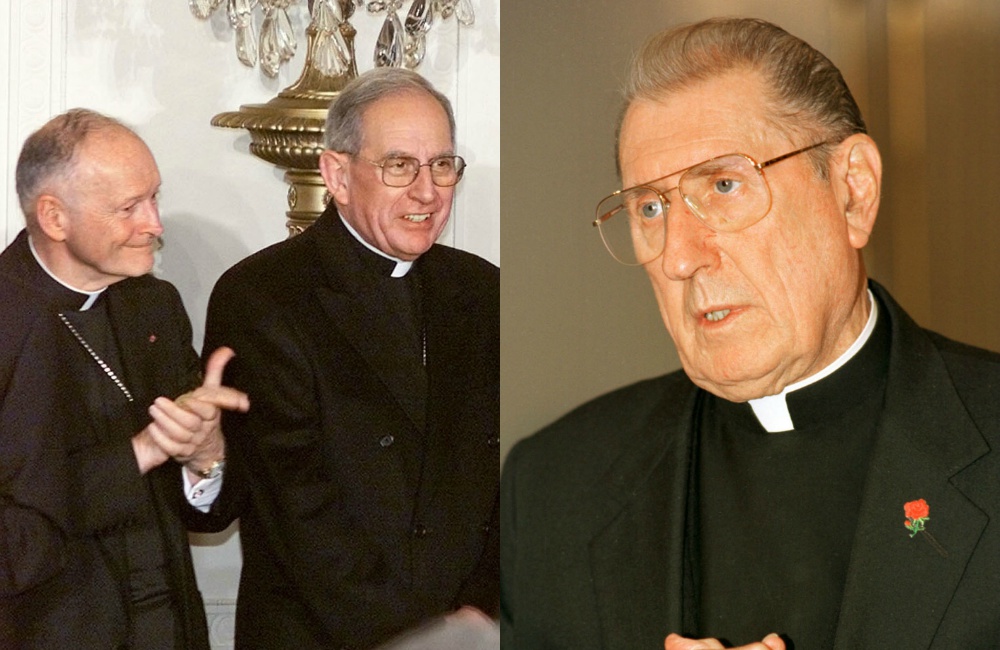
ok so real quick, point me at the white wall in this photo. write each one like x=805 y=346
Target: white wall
x=154 y=65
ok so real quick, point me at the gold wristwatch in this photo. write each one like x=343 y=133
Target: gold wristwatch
x=213 y=470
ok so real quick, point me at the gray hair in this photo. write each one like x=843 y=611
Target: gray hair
x=49 y=154
x=806 y=90
x=344 y=121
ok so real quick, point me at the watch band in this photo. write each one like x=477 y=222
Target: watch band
x=213 y=470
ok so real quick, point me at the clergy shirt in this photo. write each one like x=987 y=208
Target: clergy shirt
x=200 y=495
x=402 y=266
x=772 y=411
x=773 y=515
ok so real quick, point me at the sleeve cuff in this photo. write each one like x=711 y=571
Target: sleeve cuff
x=202 y=495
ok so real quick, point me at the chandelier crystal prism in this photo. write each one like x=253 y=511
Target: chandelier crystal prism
x=401 y=42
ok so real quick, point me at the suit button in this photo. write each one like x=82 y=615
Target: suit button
x=386 y=441
x=486 y=529
x=494 y=441
x=420 y=531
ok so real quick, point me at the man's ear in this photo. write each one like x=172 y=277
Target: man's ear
x=859 y=172
x=333 y=166
x=52 y=217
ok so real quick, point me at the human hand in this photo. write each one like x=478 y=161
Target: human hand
x=188 y=428
x=677 y=642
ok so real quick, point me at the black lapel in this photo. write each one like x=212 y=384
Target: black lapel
x=335 y=275
x=456 y=345
x=899 y=587
x=637 y=550
x=356 y=310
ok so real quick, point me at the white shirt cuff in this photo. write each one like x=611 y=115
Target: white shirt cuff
x=202 y=494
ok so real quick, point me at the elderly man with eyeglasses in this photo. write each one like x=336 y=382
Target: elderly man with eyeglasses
x=823 y=473
x=366 y=474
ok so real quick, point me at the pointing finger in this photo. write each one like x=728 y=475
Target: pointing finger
x=215 y=366
x=222 y=397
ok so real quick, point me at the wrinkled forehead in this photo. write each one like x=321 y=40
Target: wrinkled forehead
x=111 y=160
x=669 y=132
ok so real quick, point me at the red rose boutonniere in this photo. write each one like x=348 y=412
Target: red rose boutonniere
x=917 y=514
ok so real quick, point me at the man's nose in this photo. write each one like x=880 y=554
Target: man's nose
x=151 y=219
x=689 y=244
x=423 y=187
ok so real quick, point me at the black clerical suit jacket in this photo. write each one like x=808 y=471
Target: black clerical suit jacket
x=593 y=512
x=69 y=488
x=356 y=521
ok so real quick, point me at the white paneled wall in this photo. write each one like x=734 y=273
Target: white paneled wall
x=154 y=65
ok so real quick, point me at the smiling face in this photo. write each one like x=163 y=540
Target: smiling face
x=102 y=220
x=400 y=221
x=753 y=311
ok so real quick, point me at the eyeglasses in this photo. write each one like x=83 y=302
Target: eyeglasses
x=727 y=193
x=401 y=171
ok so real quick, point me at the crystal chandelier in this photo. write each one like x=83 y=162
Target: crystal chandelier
x=399 y=42
x=287 y=131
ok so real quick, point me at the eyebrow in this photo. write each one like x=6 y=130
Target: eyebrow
x=396 y=153
x=139 y=197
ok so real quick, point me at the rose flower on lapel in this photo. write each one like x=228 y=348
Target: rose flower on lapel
x=917 y=513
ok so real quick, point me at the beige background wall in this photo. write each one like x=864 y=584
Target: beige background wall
x=574 y=325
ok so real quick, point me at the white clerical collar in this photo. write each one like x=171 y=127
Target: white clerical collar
x=402 y=266
x=772 y=411
x=91 y=295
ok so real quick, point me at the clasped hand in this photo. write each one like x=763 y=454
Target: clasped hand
x=188 y=429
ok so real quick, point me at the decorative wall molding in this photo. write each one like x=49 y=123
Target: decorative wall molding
x=221 y=622
x=34 y=62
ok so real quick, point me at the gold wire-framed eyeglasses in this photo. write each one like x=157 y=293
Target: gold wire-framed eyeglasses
x=727 y=193
x=401 y=171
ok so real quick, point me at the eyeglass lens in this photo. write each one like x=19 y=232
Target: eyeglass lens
x=400 y=171
x=726 y=193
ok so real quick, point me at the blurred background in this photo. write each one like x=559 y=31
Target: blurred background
x=575 y=324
